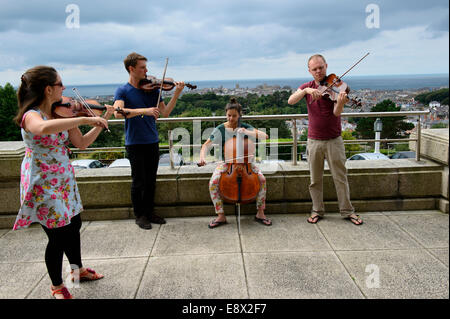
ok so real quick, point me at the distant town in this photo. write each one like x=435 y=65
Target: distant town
x=369 y=98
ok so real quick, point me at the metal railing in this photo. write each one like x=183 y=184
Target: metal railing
x=291 y=117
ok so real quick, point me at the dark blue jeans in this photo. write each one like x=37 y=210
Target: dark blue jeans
x=144 y=159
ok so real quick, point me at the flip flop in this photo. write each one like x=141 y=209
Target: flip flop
x=314 y=219
x=355 y=219
x=264 y=221
x=214 y=223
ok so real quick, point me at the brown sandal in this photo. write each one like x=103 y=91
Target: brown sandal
x=314 y=219
x=355 y=220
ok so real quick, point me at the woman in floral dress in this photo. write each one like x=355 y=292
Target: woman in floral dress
x=48 y=190
x=223 y=132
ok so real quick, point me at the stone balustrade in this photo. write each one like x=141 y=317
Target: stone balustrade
x=403 y=184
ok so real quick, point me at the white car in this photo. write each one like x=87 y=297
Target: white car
x=368 y=156
x=120 y=163
x=87 y=163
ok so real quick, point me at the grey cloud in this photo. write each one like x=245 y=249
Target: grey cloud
x=198 y=32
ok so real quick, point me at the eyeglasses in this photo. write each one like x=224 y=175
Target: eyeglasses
x=58 y=84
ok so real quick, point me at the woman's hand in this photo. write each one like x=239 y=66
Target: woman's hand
x=202 y=161
x=97 y=121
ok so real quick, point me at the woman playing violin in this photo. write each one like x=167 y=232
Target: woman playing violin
x=48 y=190
x=221 y=134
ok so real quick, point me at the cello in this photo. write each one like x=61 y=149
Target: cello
x=239 y=184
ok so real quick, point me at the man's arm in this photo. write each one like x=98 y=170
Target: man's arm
x=300 y=94
x=152 y=111
x=340 y=103
x=167 y=109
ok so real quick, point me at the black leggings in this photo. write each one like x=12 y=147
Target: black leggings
x=63 y=240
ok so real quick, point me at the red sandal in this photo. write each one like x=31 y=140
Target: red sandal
x=61 y=292
x=88 y=275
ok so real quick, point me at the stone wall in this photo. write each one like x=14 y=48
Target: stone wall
x=434 y=146
x=403 y=184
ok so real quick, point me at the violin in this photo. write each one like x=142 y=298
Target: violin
x=151 y=83
x=239 y=183
x=332 y=85
x=68 y=107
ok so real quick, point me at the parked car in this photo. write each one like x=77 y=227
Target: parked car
x=404 y=154
x=164 y=160
x=87 y=163
x=368 y=156
x=120 y=163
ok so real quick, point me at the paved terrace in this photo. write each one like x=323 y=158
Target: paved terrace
x=401 y=254
x=401 y=251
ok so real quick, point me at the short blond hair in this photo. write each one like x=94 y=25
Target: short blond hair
x=316 y=56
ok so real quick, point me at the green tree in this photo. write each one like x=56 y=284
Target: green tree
x=440 y=96
x=8 y=110
x=393 y=127
x=350 y=149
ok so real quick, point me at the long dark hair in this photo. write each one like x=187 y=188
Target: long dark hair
x=31 y=92
x=234 y=105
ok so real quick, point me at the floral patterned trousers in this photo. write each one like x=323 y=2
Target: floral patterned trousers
x=215 y=194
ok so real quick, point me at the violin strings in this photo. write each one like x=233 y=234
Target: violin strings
x=83 y=101
x=85 y=104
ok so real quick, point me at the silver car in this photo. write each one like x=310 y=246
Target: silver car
x=368 y=156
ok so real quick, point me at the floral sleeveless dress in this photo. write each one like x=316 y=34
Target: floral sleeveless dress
x=48 y=190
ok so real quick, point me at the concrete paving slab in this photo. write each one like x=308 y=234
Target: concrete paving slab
x=3 y=231
x=402 y=274
x=287 y=233
x=411 y=212
x=194 y=277
x=441 y=254
x=292 y=275
x=118 y=238
x=18 y=279
x=430 y=230
x=377 y=232
x=184 y=236
x=24 y=245
x=115 y=285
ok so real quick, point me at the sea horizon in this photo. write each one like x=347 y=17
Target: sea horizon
x=356 y=82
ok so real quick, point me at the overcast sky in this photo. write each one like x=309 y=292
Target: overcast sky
x=222 y=39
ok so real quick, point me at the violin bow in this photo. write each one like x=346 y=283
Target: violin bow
x=337 y=79
x=162 y=82
x=85 y=104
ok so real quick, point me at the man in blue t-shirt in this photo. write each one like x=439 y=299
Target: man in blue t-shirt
x=142 y=109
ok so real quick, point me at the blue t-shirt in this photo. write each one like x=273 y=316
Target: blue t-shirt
x=138 y=129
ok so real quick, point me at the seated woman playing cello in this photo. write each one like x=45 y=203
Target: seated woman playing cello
x=222 y=134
